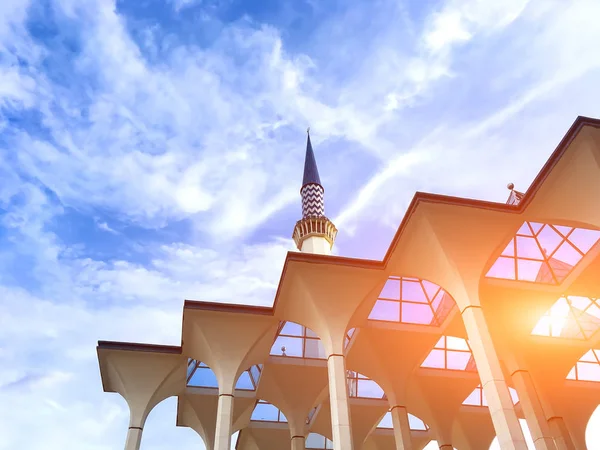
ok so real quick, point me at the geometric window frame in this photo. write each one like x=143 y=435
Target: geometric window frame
x=571 y=317
x=297 y=341
x=543 y=253
x=316 y=441
x=477 y=397
x=412 y=301
x=360 y=386
x=587 y=368
x=201 y=375
x=451 y=353
x=264 y=409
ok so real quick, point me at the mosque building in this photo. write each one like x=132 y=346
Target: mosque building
x=479 y=315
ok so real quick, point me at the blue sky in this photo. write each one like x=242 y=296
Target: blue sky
x=152 y=151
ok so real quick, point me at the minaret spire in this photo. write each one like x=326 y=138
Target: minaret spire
x=314 y=233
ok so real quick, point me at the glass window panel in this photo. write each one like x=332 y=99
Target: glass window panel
x=282 y=417
x=417 y=313
x=244 y=382
x=386 y=421
x=441 y=343
x=503 y=268
x=435 y=359
x=514 y=395
x=456 y=343
x=542 y=328
x=255 y=371
x=430 y=288
x=584 y=239
x=385 y=310
x=563 y=230
x=527 y=247
x=457 y=360
x=416 y=424
x=314 y=349
x=474 y=398
x=265 y=412
x=391 y=290
x=311 y=333
x=588 y=357
x=549 y=239
x=571 y=375
x=594 y=311
x=315 y=441
x=588 y=371
x=413 y=291
x=510 y=249
x=524 y=230
x=536 y=227
x=291 y=329
x=369 y=389
x=579 y=302
x=293 y=346
x=528 y=270
x=203 y=377
x=567 y=253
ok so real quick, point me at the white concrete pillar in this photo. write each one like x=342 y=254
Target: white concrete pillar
x=134 y=438
x=298 y=442
x=224 y=422
x=340 y=407
x=401 y=427
x=532 y=408
x=560 y=433
x=505 y=420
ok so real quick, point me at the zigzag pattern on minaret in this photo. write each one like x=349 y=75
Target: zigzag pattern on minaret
x=313 y=201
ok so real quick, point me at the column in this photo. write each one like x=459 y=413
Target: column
x=505 y=420
x=298 y=442
x=534 y=414
x=560 y=433
x=134 y=438
x=401 y=427
x=224 y=422
x=338 y=399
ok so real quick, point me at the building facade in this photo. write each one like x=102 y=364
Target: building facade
x=480 y=314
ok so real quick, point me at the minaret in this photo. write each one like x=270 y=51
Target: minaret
x=314 y=233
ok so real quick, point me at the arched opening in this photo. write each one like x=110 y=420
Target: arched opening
x=360 y=386
x=200 y=375
x=587 y=368
x=592 y=430
x=412 y=301
x=315 y=441
x=249 y=379
x=159 y=430
x=415 y=424
x=477 y=397
x=543 y=253
x=267 y=412
x=297 y=341
x=451 y=353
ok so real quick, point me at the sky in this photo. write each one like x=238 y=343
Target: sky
x=151 y=151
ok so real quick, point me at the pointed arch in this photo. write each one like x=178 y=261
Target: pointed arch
x=587 y=368
x=414 y=423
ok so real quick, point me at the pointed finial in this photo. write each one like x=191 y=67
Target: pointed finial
x=308 y=130
x=510 y=186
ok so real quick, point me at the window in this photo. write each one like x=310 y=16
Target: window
x=248 y=380
x=297 y=341
x=543 y=253
x=266 y=412
x=200 y=375
x=587 y=368
x=477 y=397
x=570 y=317
x=414 y=423
x=317 y=441
x=362 y=387
x=451 y=353
x=414 y=301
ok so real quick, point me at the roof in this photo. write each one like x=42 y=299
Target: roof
x=311 y=173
